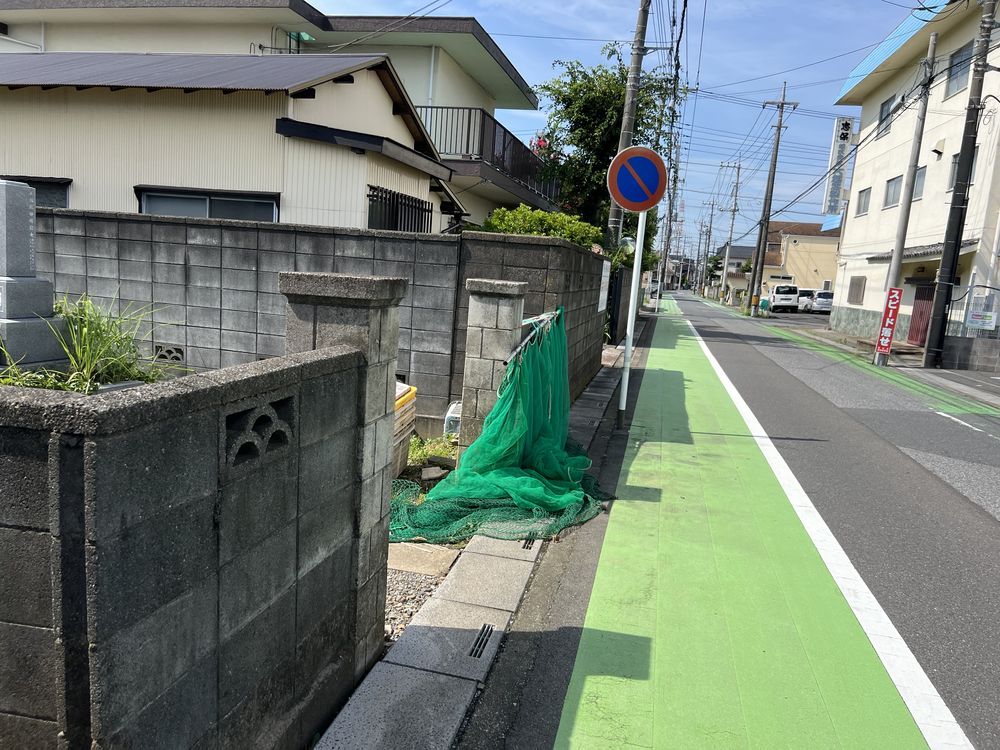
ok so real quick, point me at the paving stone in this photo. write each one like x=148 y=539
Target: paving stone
x=426 y=559
x=487 y=580
x=433 y=473
x=451 y=638
x=401 y=707
x=513 y=550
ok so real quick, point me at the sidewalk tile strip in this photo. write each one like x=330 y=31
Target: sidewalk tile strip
x=442 y=636
x=486 y=580
x=713 y=621
x=514 y=550
x=401 y=707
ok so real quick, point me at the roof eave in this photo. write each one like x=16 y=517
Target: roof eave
x=903 y=42
x=443 y=25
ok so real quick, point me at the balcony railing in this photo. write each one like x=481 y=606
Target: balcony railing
x=470 y=133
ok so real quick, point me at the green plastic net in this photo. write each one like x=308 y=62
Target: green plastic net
x=522 y=478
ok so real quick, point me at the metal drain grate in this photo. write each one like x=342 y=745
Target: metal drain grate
x=479 y=646
x=528 y=543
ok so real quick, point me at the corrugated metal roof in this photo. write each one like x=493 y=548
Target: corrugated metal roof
x=178 y=71
x=912 y=24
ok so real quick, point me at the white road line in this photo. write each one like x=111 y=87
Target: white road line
x=956 y=419
x=929 y=711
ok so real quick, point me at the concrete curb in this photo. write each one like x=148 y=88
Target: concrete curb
x=919 y=374
x=418 y=695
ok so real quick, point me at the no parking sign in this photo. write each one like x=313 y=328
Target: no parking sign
x=637 y=179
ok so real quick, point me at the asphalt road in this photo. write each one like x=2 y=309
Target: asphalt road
x=912 y=495
x=910 y=489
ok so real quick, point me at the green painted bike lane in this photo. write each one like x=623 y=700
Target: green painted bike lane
x=713 y=621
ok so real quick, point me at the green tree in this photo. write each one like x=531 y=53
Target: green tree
x=585 y=117
x=526 y=220
x=714 y=265
x=747 y=266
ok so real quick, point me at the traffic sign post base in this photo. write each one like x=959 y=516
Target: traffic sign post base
x=633 y=310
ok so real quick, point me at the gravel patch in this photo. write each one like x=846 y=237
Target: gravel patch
x=405 y=594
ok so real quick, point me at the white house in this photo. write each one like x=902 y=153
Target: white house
x=308 y=139
x=877 y=85
x=450 y=68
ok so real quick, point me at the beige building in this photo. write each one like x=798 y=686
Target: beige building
x=320 y=139
x=877 y=85
x=450 y=68
x=808 y=262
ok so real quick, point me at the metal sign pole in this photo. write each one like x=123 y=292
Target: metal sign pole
x=633 y=305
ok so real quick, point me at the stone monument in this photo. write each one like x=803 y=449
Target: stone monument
x=26 y=312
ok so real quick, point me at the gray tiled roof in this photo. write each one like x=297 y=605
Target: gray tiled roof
x=922 y=251
x=178 y=71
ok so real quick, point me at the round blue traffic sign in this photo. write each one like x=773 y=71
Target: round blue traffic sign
x=637 y=178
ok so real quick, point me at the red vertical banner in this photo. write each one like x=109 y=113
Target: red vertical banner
x=883 y=341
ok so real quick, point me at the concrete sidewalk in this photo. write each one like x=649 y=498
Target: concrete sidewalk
x=714 y=621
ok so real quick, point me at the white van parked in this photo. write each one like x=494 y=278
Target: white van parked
x=784 y=297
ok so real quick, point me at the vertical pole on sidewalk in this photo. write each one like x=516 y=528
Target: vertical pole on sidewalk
x=633 y=309
x=906 y=199
x=760 y=254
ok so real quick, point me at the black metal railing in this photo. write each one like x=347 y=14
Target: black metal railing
x=471 y=133
x=397 y=212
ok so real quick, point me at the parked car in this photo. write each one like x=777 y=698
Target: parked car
x=821 y=302
x=784 y=297
x=805 y=298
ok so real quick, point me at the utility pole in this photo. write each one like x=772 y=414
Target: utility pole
x=628 y=113
x=906 y=199
x=732 y=227
x=765 y=216
x=708 y=247
x=960 y=195
x=697 y=259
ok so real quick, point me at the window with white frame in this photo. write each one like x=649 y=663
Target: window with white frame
x=953 y=175
x=864 y=198
x=885 y=116
x=208 y=205
x=959 y=65
x=918 y=183
x=893 y=188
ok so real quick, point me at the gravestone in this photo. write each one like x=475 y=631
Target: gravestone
x=26 y=314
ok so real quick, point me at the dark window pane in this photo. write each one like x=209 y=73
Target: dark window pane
x=50 y=195
x=245 y=210
x=175 y=205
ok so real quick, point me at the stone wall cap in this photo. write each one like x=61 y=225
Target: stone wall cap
x=497 y=287
x=342 y=289
x=122 y=410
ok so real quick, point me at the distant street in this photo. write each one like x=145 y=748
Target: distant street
x=906 y=478
x=701 y=542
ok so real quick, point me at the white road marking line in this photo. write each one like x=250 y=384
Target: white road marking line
x=956 y=419
x=929 y=711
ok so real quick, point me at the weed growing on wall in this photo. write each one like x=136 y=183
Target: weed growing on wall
x=99 y=345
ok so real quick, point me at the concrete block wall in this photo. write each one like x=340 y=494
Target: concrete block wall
x=558 y=273
x=324 y=309
x=496 y=309
x=213 y=286
x=182 y=561
x=963 y=353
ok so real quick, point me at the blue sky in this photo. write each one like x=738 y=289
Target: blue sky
x=743 y=39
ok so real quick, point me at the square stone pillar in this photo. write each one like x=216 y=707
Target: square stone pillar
x=325 y=310
x=26 y=312
x=496 y=309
